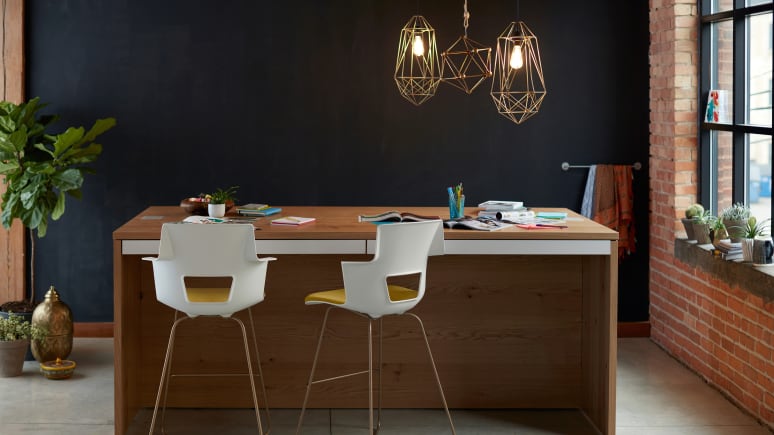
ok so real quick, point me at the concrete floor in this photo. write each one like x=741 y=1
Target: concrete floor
x=655 y=396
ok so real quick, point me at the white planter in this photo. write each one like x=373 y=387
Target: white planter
x=747 y=249
x=216 y=210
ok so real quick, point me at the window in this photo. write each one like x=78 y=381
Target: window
x=735 y=101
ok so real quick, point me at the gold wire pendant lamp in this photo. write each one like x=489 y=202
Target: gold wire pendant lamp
x=518 y=87
x=417 y=69
x=466 y=63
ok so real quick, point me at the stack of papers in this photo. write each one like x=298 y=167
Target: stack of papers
x=493 y=205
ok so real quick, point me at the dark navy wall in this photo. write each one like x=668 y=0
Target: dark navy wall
x=295 y=103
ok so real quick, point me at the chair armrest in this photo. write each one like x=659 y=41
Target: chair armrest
x=267 y=259
x=150 y=258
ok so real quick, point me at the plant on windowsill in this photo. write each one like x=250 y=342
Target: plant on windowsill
x=735 y=220
x=752 y=231
x=39 y=170
x=219 y=200
x=718 y=231
x=702 y=223
x=690 y=215
x=15 y=336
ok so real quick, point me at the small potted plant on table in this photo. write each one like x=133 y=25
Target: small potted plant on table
x=218 y=201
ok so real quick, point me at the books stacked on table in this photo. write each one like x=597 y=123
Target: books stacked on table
x=492 y=205
x=507 y=215
x=257 y=210
x=729 y=250
x=509 y=211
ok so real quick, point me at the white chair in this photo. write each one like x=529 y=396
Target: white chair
x=401 y=249
x=209 y=250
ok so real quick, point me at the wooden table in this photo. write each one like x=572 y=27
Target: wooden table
x=516 y=319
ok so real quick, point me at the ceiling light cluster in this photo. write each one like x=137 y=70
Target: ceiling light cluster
x=518 y=87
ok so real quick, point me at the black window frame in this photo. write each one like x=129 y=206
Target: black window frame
x=740 y=171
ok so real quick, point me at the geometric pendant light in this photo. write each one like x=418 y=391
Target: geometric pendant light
x=466 y=63
x=417 y=68
x=518 y=87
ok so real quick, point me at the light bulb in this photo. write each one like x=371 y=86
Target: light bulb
x=419 y=46
x=516 y=60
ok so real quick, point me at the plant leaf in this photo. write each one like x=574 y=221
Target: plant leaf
x=59 y=208
x=68 y=179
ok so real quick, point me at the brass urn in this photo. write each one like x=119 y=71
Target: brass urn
x=55 y=316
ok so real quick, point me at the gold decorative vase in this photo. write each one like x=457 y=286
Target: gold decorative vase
x=55 y=316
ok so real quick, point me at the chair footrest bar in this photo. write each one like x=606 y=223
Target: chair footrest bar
x=339 y=377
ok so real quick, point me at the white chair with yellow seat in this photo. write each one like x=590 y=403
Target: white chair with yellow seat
x=401 y=249
x=216 y=251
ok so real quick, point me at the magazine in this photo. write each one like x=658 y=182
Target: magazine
x=480 y=224
x=396 y=216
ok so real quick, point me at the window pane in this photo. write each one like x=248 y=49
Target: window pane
x=759 y=70
x=757 y=2
x=759 y=193
x=722 y=5
x=720 y=98
x=723 y=162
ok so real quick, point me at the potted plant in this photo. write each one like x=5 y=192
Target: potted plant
x=735 y=220
x=753 y=230
x=217 y=201
x=40 y=170
x=690 y=214
x=702 y=223
x=718 y=231
x=15 y=336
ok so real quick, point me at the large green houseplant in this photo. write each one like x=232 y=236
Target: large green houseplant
x=40 y=169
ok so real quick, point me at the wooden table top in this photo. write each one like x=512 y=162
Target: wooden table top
x=340 y=223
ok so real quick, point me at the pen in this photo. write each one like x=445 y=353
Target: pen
x=551 y=225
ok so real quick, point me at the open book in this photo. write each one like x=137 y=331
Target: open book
x=481 y=224
x=396 y=216
x=292 y=220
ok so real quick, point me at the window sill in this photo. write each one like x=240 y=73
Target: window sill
x=757 y=280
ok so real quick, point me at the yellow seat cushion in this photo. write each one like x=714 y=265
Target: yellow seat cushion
x=207 y=294
x=335 y=297
x=338 y=296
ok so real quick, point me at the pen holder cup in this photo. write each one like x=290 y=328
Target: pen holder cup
x=456 y=208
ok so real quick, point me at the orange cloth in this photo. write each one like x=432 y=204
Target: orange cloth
x=614 y=204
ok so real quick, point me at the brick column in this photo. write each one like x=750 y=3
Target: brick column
x=721 y=331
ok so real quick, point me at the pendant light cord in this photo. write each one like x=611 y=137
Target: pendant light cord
x=465 y=17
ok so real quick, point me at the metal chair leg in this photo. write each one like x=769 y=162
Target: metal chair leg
x=167 y=382
x=311 y=373
x=379 y=403
x=164 y=372
x=260 y=371
x=370 y=379
x=435 y=371
x=250 y=374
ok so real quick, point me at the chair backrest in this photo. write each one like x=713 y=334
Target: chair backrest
x=401 y=249
x=215 y=250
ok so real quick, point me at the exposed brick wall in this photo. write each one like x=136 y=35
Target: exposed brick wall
x=722 y=332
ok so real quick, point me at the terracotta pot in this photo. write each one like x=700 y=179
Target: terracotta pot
x=688 y=225
x=735 y=229
x=12 y=357
x=701 y=232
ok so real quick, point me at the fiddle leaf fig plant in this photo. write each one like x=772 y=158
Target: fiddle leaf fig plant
x=39 y=169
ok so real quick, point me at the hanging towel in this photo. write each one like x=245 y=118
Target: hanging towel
x=588 y=193
x=613 y=204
